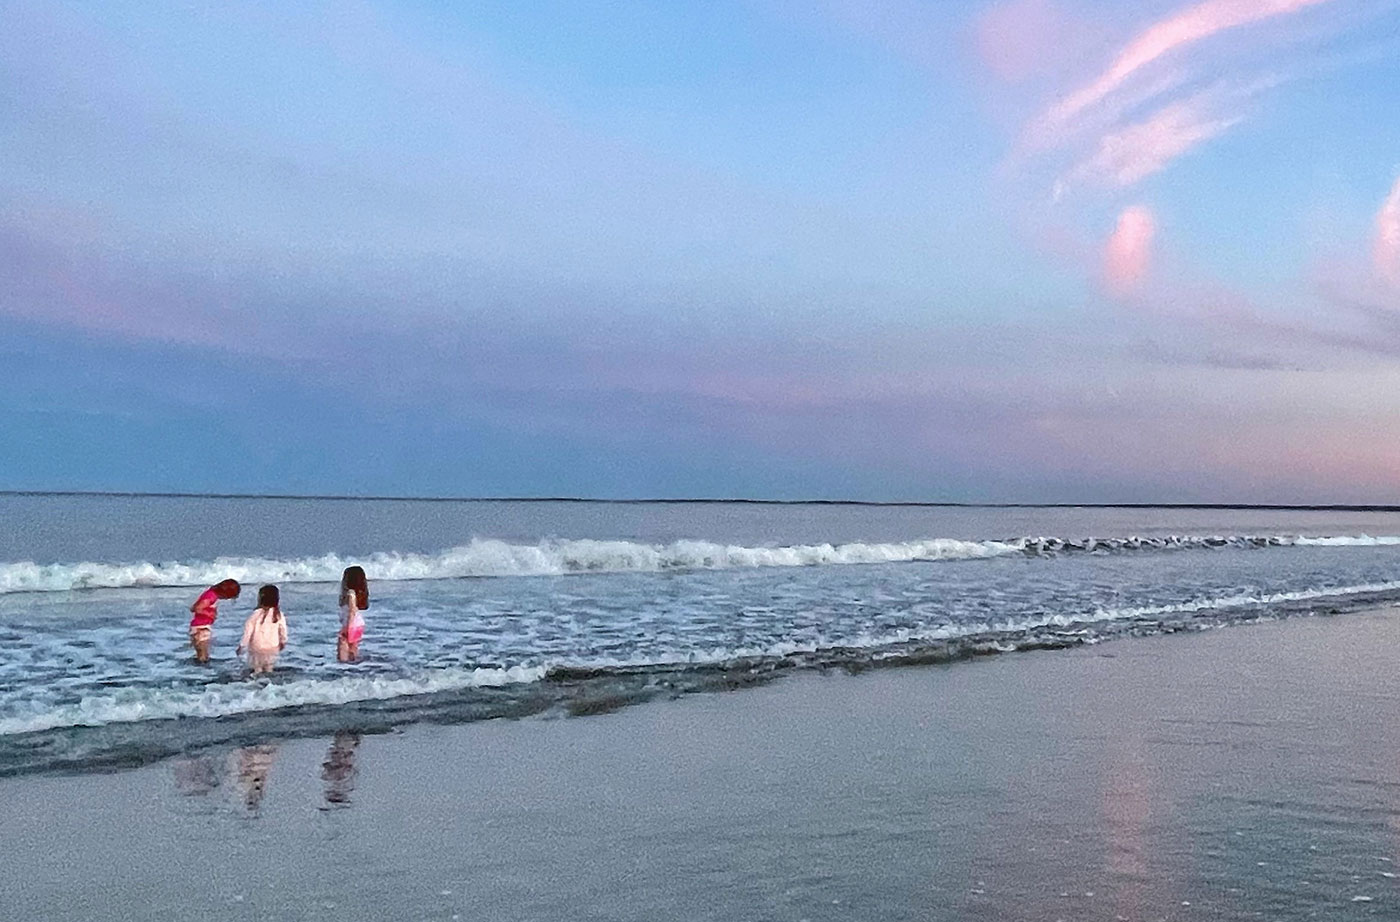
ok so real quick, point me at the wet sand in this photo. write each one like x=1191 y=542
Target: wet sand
x=1242 y=773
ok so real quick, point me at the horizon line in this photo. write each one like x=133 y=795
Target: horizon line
x=142 y=494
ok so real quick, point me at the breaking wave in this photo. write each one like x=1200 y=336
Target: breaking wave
x=491 y=558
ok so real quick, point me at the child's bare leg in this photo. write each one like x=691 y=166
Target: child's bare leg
x=201 y=649
x=352 y=652
x=342 y=649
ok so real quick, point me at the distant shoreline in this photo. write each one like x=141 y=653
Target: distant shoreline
x=137 y=494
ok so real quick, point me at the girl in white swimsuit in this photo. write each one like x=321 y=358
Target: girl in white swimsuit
x=265 y=632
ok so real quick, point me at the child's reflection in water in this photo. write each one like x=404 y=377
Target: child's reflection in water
x=338 y=771
x=254 y=763
x=195 y=776
x=249 y=766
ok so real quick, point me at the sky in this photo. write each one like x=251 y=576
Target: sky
x=1018 y=251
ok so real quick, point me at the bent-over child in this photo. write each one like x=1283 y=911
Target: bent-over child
x=205 y=610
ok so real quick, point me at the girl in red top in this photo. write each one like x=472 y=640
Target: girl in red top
x=206 y=609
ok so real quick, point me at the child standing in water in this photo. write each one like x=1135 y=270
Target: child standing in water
x=205 y=610
x=354 y=598
x=265 y=632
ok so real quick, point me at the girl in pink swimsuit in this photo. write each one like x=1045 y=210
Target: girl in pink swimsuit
x=205 y=610
x=354 y=598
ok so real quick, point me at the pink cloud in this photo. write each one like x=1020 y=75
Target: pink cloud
x=1385 y=252
x=1136 y=151
x=1135 y=117
x=1020 y=38
x=1128 y=252
x=1178 y=31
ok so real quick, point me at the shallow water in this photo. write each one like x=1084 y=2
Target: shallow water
x=498 y=609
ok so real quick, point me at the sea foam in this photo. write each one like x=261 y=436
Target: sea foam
x=494 y=558
x=130 y=705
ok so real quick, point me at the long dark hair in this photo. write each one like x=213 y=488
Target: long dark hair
x=227 y=589
x=268 y=597
x=353 y=580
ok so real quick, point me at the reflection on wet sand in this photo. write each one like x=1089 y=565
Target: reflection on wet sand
x=1127 y=811
x=245 y=770
x=338 y=771
x=254 y=764
x=243 y=773
x=196 y=776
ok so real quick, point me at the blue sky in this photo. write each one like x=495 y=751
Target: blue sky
x=1035 y=250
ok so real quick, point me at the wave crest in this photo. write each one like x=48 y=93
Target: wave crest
x=488 y=558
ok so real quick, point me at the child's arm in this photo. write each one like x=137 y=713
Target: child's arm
x=201 y=604
x=282 y=633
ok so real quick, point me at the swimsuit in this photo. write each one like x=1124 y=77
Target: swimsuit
x=204 y=614
x=352 y=626
x=202 y=624
x=355 y=629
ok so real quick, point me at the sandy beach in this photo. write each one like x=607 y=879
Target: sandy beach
x=1240 y=773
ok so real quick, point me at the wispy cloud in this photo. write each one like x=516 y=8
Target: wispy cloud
x=1173 y=34
x=1163 y=92
x=1127 y=255
x=1164 y=89
x=1385 y=251
x=1132 y=153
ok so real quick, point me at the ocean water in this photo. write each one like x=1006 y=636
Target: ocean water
x=491 y=609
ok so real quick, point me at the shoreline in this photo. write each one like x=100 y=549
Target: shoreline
x=1207 y=775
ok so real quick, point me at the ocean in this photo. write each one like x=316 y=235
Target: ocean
x=487 y=609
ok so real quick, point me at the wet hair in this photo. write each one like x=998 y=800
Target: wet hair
x=353 y=579
x=227 y=589
x=268 y=597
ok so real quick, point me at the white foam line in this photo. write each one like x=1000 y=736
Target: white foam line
x=484 y=557
x=1350 y=541
x=142 y=704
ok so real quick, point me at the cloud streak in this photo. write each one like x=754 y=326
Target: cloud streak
x=1164 y=37
x=1146 y=107
x=1129 y=155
